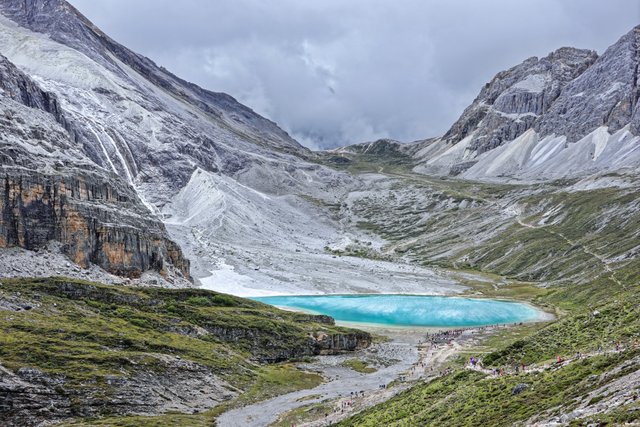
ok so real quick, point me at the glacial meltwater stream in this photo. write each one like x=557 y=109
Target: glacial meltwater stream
x=410 y=310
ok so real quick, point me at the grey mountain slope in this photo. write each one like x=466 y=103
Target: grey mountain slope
x=65 y=24
x=156 y=136
x=148 y=126
x=50 y=191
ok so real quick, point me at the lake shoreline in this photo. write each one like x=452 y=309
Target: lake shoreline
x=405 y=311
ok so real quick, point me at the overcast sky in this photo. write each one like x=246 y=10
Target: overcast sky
x=333 y=72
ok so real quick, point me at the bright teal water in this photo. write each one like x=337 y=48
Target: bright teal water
x=410 y=310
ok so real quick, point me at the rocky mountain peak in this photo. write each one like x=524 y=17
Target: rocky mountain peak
x=513 y=100
x=571 y=107
x=604 y=95
x=97 y=140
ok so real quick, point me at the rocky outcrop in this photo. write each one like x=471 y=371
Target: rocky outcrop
x=21 y=394
x=267 y=348
x=17 y=86
x=511 y=103
x=606 y=94
x=96 y=222
x=338 y=343
x=50 y=191
x=30 y=397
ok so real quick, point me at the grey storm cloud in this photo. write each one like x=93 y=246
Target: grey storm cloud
x=336 y=72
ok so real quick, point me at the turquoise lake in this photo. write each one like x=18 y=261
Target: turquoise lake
x=410 y=310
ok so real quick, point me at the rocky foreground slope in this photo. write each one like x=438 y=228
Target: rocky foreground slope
x=71 y=349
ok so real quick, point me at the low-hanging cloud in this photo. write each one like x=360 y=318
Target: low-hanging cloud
x=335 y=72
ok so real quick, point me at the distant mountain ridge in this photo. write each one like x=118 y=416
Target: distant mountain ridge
x=570 y=113
x=515 y=99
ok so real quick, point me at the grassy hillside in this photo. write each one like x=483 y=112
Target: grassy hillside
x=566 y=236
x=548 y=233
x=95 y=346
x=468 y=398
x=601 y=386
x=564 y=249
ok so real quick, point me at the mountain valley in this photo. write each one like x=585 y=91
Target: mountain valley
x=139 y=211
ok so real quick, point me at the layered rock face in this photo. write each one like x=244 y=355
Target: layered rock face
x=95 y=221
x=51 y=191
x=511 y=103
x=336 y=343
x=605 y=95
x=15 y=85
x=32 y=397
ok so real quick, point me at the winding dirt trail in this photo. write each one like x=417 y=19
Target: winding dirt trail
x=554 y=366
x=431 y=358
x=348 y=391
x=429 y=365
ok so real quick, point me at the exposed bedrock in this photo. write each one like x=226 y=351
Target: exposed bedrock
x=512 y=102
x=95 y=221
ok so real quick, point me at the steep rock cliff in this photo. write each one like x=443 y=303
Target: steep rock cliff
x=95 y=221
x=50 y=191
x=509 y=105
x=604 y=95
